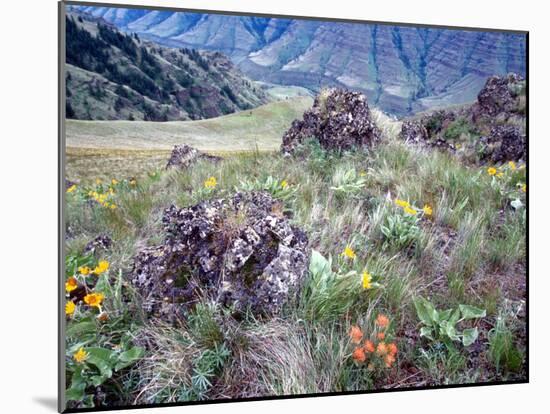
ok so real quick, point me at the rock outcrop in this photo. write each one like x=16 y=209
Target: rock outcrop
x=490 y=130
x=339 y=120
x=504 y=143
x=183 y=156
x=241 y=252
x=499 y=95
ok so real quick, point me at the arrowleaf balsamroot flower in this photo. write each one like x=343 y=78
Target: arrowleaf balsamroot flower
x=359 y=355
x=70 y=307
x=427 y=210
x=211 y=183
x=80 y=355
x=71 y=284
x=84 y=270
x=524 y=188
x=94 y=299
x=71 y=188
x=367 y=279
x=402 y=203
x=491 y=170
x=348 y=252
x=355 y=334
x=284 y=184
x=512 y=165
x=101 y=267
x=409 y=210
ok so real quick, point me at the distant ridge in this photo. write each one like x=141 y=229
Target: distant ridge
x=401 y=69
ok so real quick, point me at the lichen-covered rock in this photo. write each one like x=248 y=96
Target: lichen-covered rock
x=101 y=242
x=504 y=143
x=417 y=132
x=413 y=132
x=499 y=95
x=339 y=120
x=241 y=252
x=183 y=156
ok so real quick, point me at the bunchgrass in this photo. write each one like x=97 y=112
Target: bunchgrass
x=341 y=200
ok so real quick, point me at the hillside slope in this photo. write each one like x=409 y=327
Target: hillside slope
x=260 y=128
x=401 y=69
x=111 y=75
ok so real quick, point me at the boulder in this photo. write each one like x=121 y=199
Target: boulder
x=339 y=120
x=241 y=252
x=499 y=95
x=183 y=156
x=413 y=132
x=504 y=143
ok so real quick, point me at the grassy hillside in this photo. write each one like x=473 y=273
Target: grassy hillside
x=128 y=148
x=113 y=75
x=460 y=245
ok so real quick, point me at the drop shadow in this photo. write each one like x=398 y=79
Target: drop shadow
x=47 y=402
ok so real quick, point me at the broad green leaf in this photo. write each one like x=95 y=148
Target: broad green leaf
x=318 y=263
x=80 y=328
x=425 y=311
x=445 y=315
x=78 y=386
x=471 y=312
x=75 y=394
x=454 y=317
x=450 y=331
x=426 y=332
x=102 y=358
x=469 y=336
x=129 y=357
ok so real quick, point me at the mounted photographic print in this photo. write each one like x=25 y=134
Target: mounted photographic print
x=256 y=206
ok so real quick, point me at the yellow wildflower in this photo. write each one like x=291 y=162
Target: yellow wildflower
x=114 y=181
x=367 y=279
x=84 y=270
x=80 y=355
x=71 y=188
x=69 y=308
x=348 y=252
x=491 y=170
x=284 y=184
x=500 y=175
x=512 y=165
x=71 y=284
x=94 y=299
x=402 y=203
x=362 y=174
x=210 y=183
x=409 y=210
x=101 y=267
x=524 y=188
x=98 y=181
x=427 y=210
x=113 y=206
